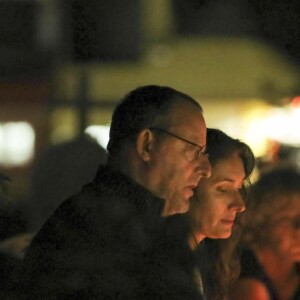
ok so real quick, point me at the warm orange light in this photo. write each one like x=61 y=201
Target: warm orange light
x=295 y=102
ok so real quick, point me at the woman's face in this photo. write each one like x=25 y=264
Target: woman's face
x=286 y=231
x=217 y=199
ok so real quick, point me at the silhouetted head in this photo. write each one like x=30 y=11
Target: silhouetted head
x=158 y=137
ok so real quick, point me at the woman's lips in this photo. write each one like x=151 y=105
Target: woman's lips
x=228 y=221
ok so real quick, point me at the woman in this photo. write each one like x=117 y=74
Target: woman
x=197 y=248
x=271 y=239
x=214 y=210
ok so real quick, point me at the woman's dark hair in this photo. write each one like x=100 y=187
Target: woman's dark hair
x=221 y=146
x=222 y=253
x=142 y=108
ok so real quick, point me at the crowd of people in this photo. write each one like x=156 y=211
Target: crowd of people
x=171 y=213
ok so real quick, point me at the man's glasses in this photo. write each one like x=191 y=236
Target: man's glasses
x=191 y=154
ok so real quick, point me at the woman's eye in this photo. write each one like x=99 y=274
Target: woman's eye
x=229 y=190
x=223 y=189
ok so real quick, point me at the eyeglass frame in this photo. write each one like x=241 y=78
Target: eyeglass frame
x=202 y=149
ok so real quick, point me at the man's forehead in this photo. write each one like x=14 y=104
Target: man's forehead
x=181 y=112
x=185 y=105
x=191 y=127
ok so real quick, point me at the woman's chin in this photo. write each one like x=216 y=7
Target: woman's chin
x=224 y=235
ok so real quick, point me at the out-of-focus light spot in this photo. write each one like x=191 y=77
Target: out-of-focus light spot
x=255 y=137
x=63 y=122
x=275 y=124
x=100 y=133
x=16 y=143
x=160 y=56
x=295 y=102
x=281 y=125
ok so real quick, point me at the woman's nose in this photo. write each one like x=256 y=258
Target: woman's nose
x=238 y=202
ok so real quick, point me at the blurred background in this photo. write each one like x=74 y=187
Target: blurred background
x=64 y=64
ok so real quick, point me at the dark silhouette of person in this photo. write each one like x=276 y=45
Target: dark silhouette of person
x=60 y=172
x=98 y=241
x=13 y=239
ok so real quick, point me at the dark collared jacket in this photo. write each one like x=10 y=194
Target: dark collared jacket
x=95 y=244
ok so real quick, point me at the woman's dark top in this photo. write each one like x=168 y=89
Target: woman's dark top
x=173 y=262
x=206 y=254
x=251 y=268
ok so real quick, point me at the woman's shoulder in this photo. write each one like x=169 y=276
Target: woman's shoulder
x=248 y=289
x=253 y=276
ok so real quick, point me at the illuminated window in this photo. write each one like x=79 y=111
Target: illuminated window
x=100 y=133
x=64 y=124
x=16 y=143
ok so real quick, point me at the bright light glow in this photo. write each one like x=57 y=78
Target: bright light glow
x=296 y=102
x=256 y=137
x=16 y=143
x=282 y=125
x=100 y=133
x=276 y=124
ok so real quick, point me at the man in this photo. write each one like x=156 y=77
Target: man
x=95 y=244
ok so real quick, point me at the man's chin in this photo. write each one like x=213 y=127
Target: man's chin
x=185 y=205
x=179 y=205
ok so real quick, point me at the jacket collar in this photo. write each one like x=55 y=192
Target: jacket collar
x=109 y=179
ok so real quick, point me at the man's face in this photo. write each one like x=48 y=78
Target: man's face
x=175 y=168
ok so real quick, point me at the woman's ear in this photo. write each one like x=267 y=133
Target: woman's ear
x=144 y=144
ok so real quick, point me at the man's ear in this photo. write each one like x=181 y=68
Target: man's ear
x=144 y=144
